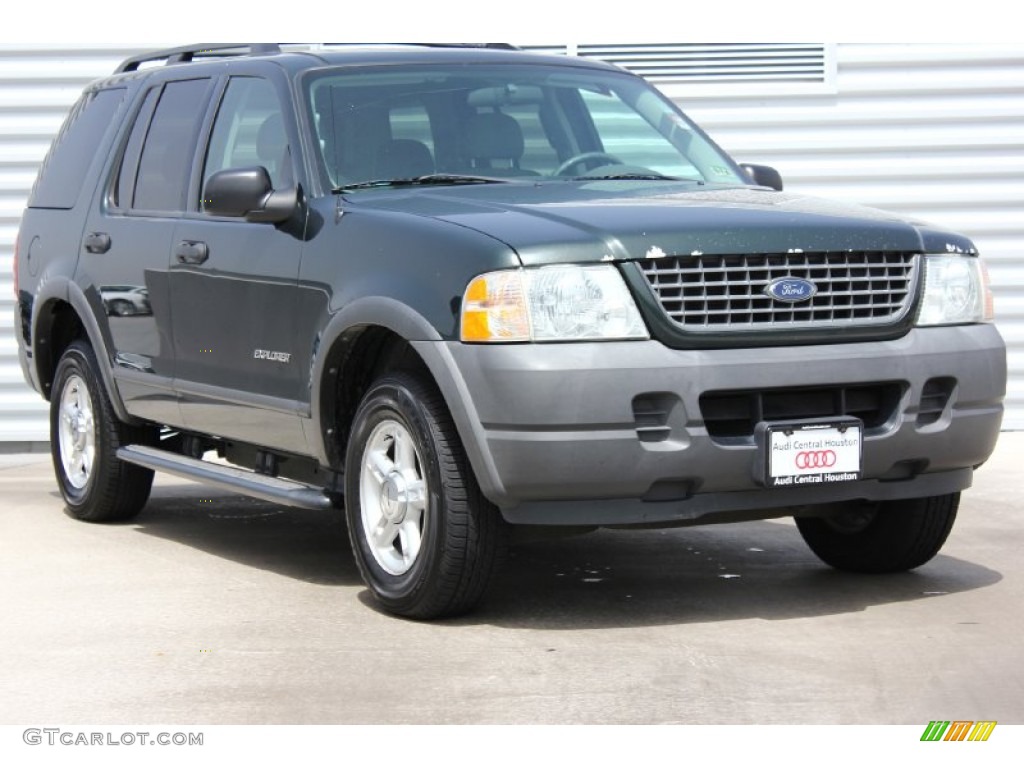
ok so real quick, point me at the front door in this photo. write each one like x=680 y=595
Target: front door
x=233 y=287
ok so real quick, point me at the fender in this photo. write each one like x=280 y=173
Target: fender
x=372 y=310
x=54 y=288
x=461 y=405
x=431 y=347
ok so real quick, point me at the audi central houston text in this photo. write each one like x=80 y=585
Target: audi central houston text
x=453 y=292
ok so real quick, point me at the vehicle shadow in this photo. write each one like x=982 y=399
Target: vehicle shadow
x=605 y=579
x=616 y=579
x=301 y=544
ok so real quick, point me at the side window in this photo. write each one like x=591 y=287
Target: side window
x=73 y=150
x=538 y=154
x=249 y=131
x=124 y=189
x=411 y=122
x=166 y=158
x=629 y=137
x=410 y=150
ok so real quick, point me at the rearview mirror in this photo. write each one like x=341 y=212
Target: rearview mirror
x=247 y=193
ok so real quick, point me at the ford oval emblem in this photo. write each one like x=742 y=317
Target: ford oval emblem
x=791 y=289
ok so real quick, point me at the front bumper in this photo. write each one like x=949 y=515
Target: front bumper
x=555 y=435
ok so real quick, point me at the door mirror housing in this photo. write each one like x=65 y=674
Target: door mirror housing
x=247 y=193
x=763 y=176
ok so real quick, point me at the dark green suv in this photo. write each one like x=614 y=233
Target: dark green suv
x=457 y=289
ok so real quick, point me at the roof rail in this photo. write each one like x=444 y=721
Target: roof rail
x=188 y=53
x=496 y=46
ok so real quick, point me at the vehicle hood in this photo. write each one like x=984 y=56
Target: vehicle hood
x=549 y=222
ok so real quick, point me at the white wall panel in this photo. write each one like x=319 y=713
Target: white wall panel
x=38 y=84
x=934 y=132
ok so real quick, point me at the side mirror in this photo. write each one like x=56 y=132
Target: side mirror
x=763 y=176
x=247 y=193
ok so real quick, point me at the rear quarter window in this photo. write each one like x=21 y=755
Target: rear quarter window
x=80 y=139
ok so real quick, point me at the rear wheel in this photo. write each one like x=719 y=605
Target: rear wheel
x=84 y=437
x=884 y=537
x=425 y=539
x=120 y=307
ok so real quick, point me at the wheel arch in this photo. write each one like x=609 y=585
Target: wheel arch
x=361 y=342
x=61 y=314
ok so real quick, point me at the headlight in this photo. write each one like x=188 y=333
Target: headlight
x=556 y=303
x=956 y=290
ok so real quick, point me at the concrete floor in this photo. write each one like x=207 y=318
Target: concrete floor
x=212 y=608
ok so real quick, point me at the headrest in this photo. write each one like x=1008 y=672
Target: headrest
x=494 y=136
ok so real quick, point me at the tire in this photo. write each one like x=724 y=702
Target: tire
x=121 y=308
x=425 y=539
x=886 y=537
x=84 y=437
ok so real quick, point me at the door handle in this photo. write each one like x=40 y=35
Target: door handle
x=191 y=252
x=97 y=242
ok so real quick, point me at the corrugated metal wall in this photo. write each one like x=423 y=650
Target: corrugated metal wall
x=934 y=132
x=931 y=131
x=38 y=85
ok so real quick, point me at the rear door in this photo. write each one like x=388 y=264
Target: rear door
x=234 y=283
x=127 y=242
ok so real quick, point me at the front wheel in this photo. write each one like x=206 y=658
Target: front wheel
x=885 y=537
x=425 y=539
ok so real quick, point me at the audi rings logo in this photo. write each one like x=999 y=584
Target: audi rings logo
x=815 y=459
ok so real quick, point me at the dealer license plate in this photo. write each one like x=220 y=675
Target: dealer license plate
x=811 y=454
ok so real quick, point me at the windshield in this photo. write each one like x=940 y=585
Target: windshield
x=508 y=122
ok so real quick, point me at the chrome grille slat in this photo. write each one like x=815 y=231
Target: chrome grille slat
x=719 y=293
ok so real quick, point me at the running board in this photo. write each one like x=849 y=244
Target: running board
x=287 y=492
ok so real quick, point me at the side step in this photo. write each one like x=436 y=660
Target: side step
x=287 y=492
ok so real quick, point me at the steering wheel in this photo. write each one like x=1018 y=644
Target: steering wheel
x=583 y=157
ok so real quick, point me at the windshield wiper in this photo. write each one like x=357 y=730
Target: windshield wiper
x=432 y=179
x=627 y=176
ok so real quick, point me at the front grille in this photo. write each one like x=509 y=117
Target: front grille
x=723 y=293
x=733 y=416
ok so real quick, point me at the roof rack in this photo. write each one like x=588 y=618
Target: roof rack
x=496 y=46
x=189 y=53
